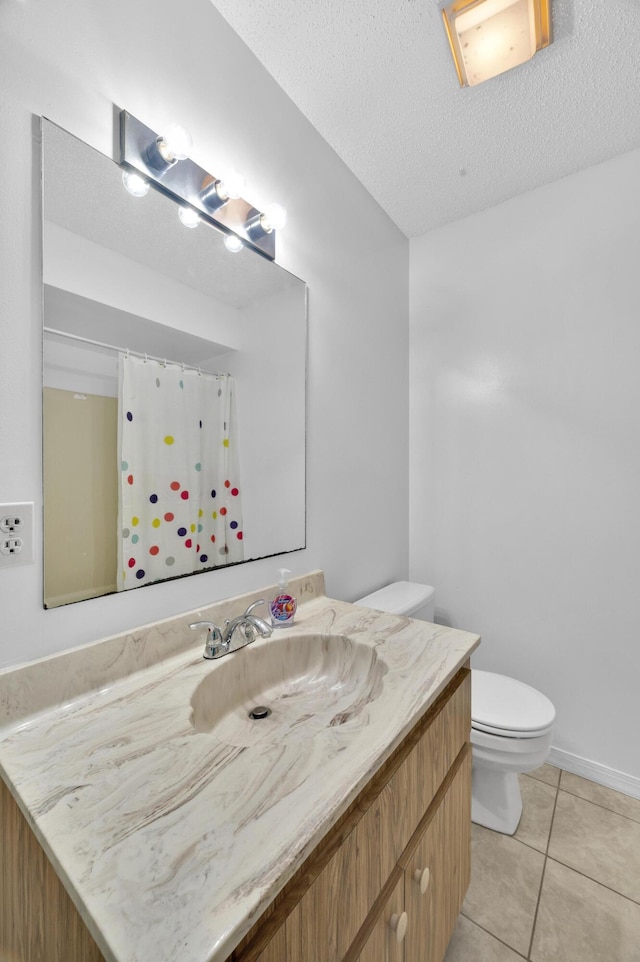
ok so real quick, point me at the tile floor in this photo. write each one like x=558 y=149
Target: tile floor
x=565 y=887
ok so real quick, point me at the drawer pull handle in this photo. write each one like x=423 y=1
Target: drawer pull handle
x=422 y=877
x=399 y=925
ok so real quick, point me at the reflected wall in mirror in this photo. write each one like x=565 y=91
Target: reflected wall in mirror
x=122 y=275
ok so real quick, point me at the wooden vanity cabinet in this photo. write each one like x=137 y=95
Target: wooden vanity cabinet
x=340 y=905
x=365 y=886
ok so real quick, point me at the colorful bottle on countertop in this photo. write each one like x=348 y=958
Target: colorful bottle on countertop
x=283 y=607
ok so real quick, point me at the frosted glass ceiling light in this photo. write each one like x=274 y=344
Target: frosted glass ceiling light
x=488 y=37
x=135 y=183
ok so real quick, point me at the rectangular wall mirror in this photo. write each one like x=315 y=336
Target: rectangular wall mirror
x=174 y=388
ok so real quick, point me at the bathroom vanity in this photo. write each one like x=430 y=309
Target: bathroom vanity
x=146 y=818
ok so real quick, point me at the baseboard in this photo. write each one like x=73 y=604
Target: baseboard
x=609 y=777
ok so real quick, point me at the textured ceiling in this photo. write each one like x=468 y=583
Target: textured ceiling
x=376 y=79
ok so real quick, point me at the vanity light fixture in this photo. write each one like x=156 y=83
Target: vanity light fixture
x=135 y=184
x=489 y=37
x=163 y=162
x=274 y=217
x=188 y=216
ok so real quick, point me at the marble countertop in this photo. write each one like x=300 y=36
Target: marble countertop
x=170 y=841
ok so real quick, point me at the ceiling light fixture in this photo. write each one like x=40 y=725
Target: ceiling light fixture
x=489 y=37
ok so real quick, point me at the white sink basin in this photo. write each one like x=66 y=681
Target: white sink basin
x=307 y=682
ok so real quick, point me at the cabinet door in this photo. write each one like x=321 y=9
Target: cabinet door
x=326 y=920
x=38 y=920
x=437 y=873
x=410 y=791
x=385 y=944
x=276 y=950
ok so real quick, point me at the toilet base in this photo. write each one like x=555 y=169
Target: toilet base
x=496 y=802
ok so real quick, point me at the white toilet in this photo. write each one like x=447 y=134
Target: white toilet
x=511 y=723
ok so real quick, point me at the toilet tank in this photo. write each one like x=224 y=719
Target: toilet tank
x=403 y=598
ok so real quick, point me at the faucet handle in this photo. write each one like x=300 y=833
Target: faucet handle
x=255 y=604
x=206 y=624
x=214 y=638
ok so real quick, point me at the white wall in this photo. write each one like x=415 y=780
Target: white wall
x=525 y=445
x=77 y=264
x=71 y=60
x=270 y=376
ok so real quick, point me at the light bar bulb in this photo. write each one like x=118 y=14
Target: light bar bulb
x=274 y=217
x=135 y=183
x=217 y=193
x=233 y=243
x=233 y=184
x=175 y=143
x=188 y=216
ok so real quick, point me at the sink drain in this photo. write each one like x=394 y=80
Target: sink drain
x=260 y=711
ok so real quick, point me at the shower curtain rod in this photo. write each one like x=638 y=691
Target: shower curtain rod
x=125 y=350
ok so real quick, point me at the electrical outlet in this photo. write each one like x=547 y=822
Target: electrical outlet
x=16 y=534
x=11 y=524
x=11 y=545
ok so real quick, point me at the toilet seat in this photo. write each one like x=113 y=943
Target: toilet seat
x=509 y=708
x=510 y=732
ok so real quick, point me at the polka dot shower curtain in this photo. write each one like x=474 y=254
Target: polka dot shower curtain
x=180 y=503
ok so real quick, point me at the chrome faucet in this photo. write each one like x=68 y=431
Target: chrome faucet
x=218 y=642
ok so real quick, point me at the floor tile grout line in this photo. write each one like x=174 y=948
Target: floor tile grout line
x=542 y=780
x=527 y=844
x=554 y=858
x=544 y=869
x=553 y=818
x=497 y=938
x=604 y=808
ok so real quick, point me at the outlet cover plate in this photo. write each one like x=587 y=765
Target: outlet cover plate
x=16 y=534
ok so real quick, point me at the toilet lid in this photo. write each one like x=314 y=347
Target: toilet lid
x=504 y=706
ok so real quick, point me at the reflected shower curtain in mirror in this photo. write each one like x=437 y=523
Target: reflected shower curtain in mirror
x=179 y=495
